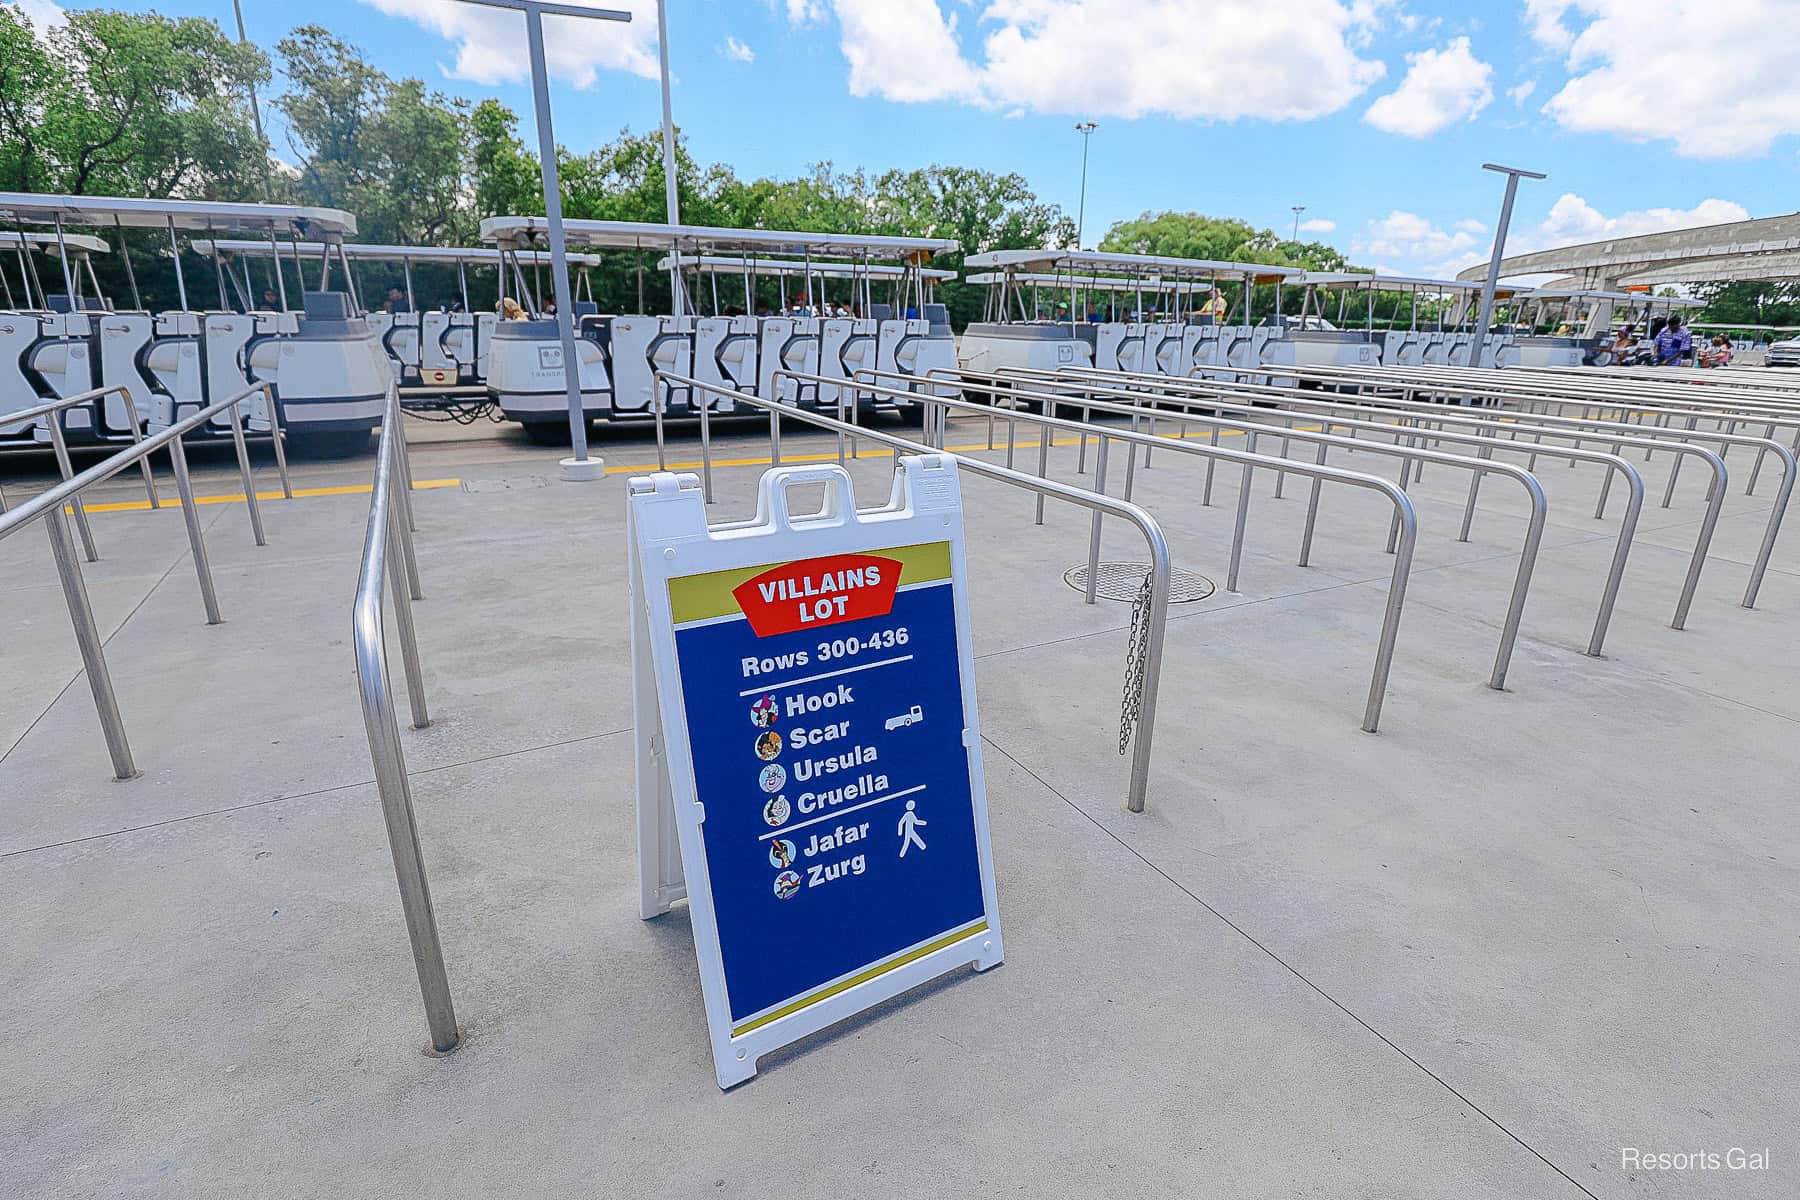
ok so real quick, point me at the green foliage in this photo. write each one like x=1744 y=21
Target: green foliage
x=389 y=151
x=140 y=104
x=1750 y=302
x=128 y=103
x=503 y=173
x=1184 y=235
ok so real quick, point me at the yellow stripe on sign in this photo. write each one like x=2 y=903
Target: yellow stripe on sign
x=844 y=985
x=704 y=597
x=353 y=489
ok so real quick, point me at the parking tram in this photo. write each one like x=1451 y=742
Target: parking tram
x=326 y=365
x=621 y=354
x=1581 y=323
x=1186 y=329
x=444 y=344
x=727 y=346
x=1438 y=329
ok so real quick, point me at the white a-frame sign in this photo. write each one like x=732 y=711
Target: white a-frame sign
x=808 y=757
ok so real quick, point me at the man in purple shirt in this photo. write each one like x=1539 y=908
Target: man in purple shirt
x=1673 y=344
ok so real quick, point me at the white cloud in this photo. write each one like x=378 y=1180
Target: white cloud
x=1545 y=18
x=736 y=51
x=43 y=14
x=804 y=12
x=1521 y=93
x=905 y=52
x=490 y=42
x=1572 y=220
x=1114 y=58
x=1726 y=88
x=1418 y=246
x=1318 y=225
x=1441 y=87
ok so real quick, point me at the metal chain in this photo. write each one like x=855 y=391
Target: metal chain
x=1137 y=652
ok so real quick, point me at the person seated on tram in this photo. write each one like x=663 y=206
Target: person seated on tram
x=1718 y=354
x=396 y=300
x=1624 y=344
x=270 y=302
x=509 y=309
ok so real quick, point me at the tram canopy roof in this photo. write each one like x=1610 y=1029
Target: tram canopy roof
x=1105 y=283
x=354 y=250
x=284 y=219
x=1076 y=262
x=731 y=264
x=47 y=242
x=1350 y=280
x=1644 y=299
x=701 y=239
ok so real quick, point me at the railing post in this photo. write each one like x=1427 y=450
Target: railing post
x=68 y=472
x=1094 y=526
x=87 y=639
x=196 y=543
x=243 y=460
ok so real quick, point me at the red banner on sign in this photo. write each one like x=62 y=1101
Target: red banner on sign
x=818 y=591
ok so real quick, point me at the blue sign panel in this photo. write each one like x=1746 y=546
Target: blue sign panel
x=824 y=711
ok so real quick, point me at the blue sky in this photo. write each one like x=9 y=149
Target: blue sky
x=1375 y=114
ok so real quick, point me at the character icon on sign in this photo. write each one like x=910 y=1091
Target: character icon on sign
x=768 y=744
x=910 y=824
x=777 y=811
x=782 y=853
x=773 y=778
x=786 y=884
x=763 y=713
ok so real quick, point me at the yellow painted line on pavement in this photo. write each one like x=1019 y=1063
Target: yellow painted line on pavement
x=353 y=489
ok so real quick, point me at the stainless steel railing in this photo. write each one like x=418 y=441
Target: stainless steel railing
x=388 y=560
x=1427 y=414
x=1159 y=569
x=1003 y=385
x=49 y=505
x=1404 y=528
x=60 y=445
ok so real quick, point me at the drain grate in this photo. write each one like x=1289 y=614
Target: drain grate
x=1123 y=581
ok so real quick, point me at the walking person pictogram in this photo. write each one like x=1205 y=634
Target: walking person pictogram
x=910 y=822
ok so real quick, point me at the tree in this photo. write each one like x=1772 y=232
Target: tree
x=128 y=103
x=503 y=172
x=1751 y=302
x=389 y=151
x=1184 y=235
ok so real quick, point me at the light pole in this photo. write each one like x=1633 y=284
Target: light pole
x=671 y=195
x=1486 y=314
x=255 y=109
x=578 y=465
x=1086 y=130
x=1298 y=209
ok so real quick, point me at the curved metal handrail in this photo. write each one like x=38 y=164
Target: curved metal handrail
x=1288 y=398
x=1615 y=463
x=49 y=504
x=1405 y=520
x=1158 y=616
x=386 y=533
